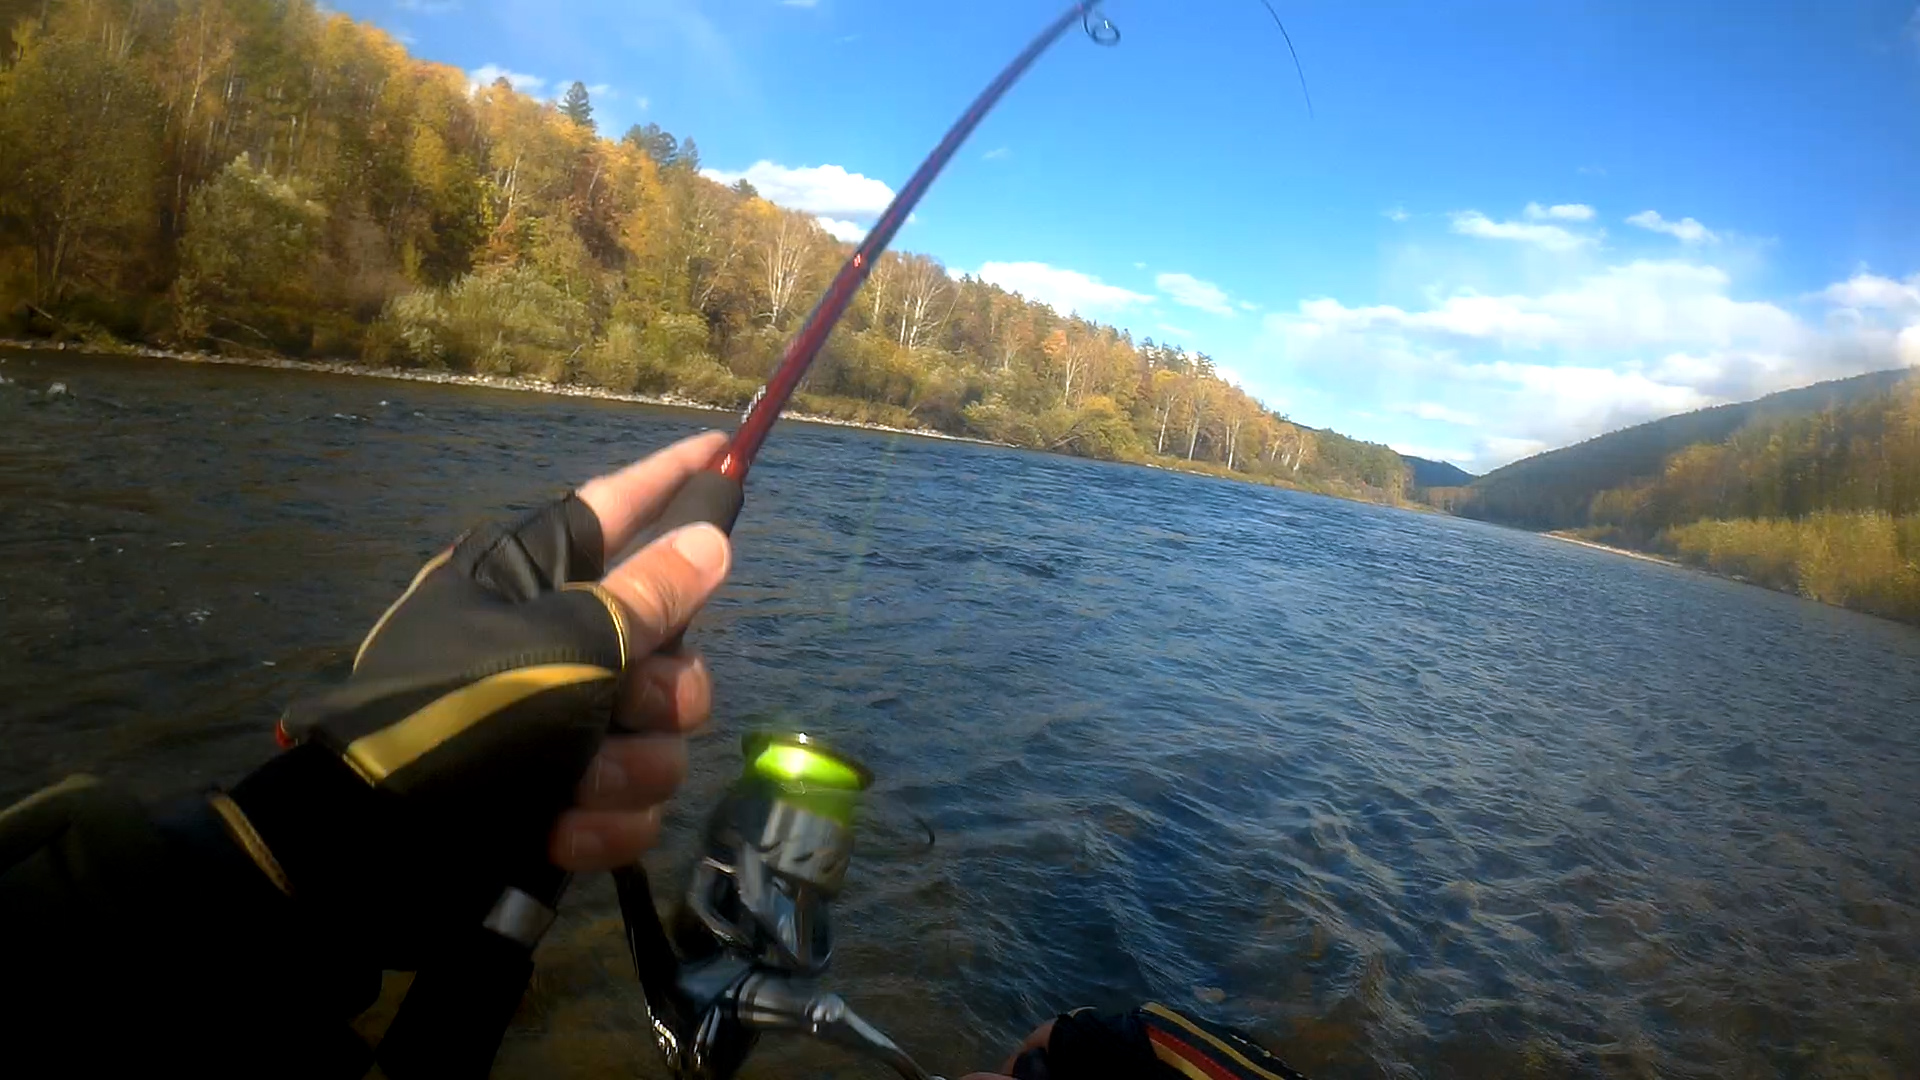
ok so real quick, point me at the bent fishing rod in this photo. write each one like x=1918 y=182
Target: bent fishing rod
x=715 y=494
x=753 y=931
x=778 y=845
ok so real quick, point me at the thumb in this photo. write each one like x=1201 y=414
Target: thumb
x=662 y=585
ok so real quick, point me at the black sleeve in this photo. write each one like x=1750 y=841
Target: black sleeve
x=148 y=943
x=1090 y=1046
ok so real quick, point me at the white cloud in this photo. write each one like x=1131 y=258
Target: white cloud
x=998 y=153
x=847 y=232
x=1429 y=410
x=1549 y=237
x=1864 y=290
x=1431 y=453
x=428 y=7
x=1497 y=450
x=1189 y=291
x=799 y=3
x=1686 y=230
x=1398 y=213
x=826 y=190
x=643 y=101
x=1645 y=302
x=1601 y=350
x=1559 y=212
x=1064 y=290
x=488 y=74
x=1248 y=305
x=1588 y=399
x=1176 y=331
x=599 y=89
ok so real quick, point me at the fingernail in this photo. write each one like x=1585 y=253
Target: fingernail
x=608 y=778
x=704 y=547
x=584 y=844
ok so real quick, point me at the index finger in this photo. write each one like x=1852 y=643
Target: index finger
x=625 y=501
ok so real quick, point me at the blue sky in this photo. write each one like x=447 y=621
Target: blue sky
x=1508 y=226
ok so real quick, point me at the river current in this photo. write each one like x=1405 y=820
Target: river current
x=1400 y=794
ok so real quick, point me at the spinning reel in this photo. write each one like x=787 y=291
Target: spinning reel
x=754 y=932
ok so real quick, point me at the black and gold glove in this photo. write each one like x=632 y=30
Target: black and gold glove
x=427 y=784
x=421 y=791
x=238 y=934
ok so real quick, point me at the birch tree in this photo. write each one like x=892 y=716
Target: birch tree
x=785 y=250
x=926 y=298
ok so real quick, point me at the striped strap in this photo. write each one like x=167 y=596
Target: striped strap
x=1201 y=1051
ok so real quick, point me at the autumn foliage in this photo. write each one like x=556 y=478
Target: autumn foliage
x=1825 y=504
x=259 y=176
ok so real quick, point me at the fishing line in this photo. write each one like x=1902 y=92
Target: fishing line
x=1297 y=69
x=863 y=540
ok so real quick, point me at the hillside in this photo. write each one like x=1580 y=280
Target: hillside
x=1436 y=474
x=1814 y=492
x=301 y=186
x=1555 y=490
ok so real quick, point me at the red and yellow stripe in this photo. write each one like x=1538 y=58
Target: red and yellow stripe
x=1197 y=1053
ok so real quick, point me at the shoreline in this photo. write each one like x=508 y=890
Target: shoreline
x=1631 y=554
x=1661 y=560
x=518 y=383
x=523 y=384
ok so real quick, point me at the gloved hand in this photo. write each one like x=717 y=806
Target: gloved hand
x=1153 y=1042
x=469 y=749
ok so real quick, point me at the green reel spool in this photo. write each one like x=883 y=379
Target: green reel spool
x=805 y=772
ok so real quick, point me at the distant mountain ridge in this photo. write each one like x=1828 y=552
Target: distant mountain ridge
x=1554 y=490
x=1433 y=474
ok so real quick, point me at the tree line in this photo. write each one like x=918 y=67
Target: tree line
x=1555 y=490
x=261 y=176
x=1824 y=502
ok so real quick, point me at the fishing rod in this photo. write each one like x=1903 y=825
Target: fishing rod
x=715 y=494
x=754 y=930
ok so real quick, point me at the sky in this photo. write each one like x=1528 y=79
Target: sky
x=1503 y=227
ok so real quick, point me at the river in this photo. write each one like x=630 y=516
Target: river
x=1404 y=795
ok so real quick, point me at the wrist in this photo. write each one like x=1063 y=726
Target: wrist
x=243 y=935
x=308 y=812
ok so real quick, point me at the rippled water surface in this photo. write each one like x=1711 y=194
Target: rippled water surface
x=1401 y=794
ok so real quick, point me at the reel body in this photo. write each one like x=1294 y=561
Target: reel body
x=755 y=931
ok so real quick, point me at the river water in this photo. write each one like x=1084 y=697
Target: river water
x=1403 y=795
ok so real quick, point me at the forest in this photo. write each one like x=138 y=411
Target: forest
x=1814 y=491
x=264 y=177
x=1555 y=490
